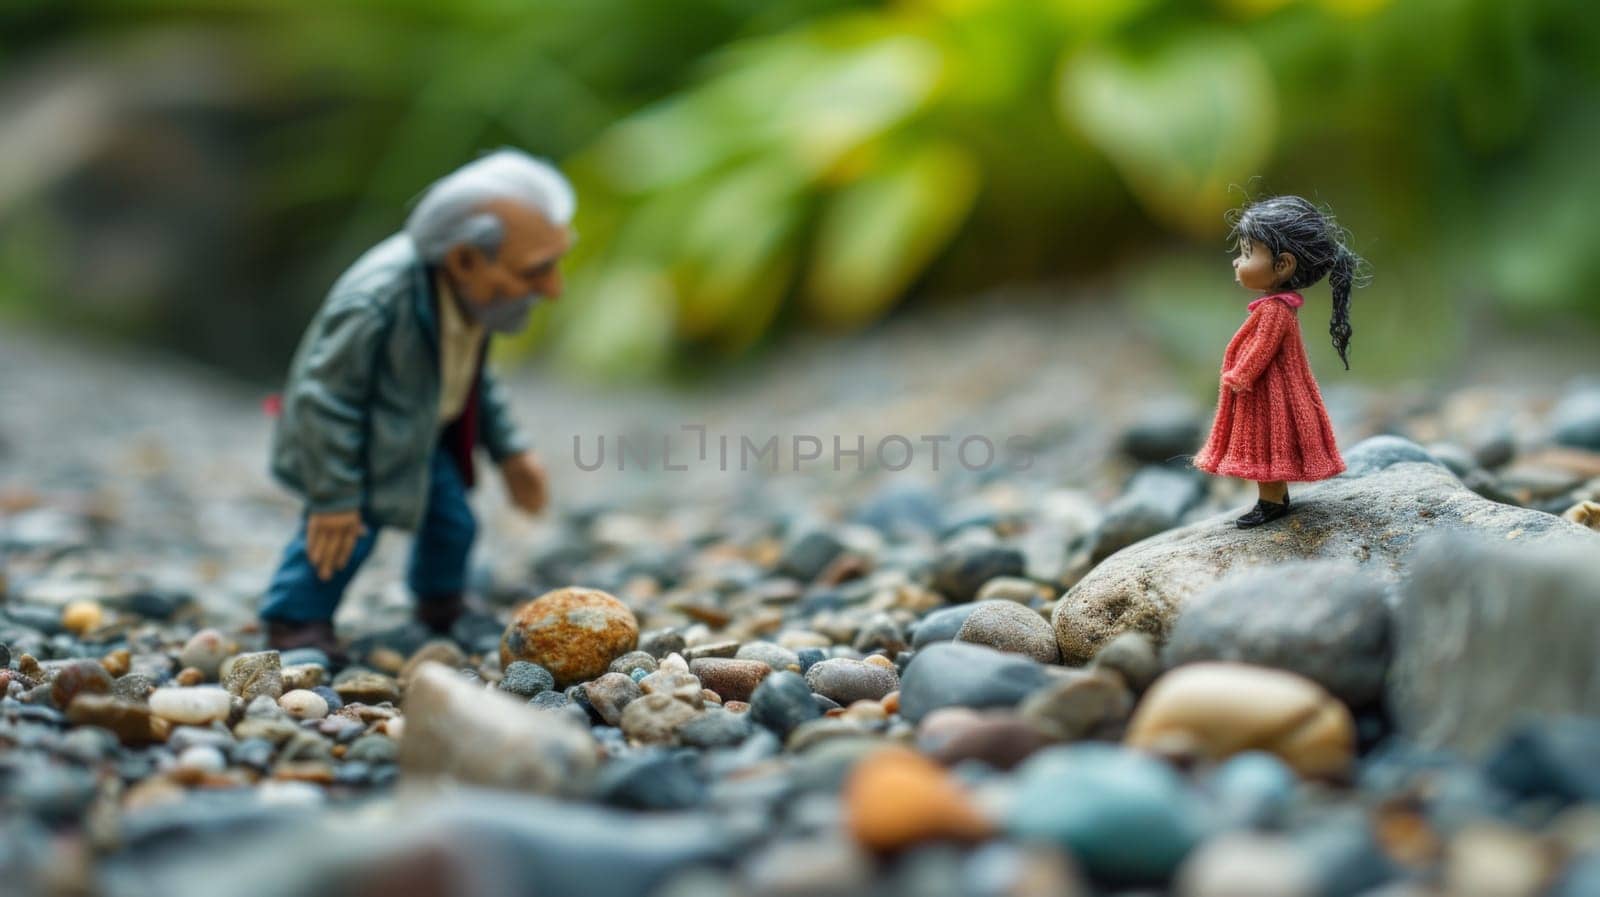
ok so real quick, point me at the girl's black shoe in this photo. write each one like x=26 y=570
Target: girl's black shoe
x=1264 y=512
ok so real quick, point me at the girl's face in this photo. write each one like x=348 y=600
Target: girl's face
x=1255 y=268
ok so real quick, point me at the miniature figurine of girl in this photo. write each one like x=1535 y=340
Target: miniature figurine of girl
x=1271 y=426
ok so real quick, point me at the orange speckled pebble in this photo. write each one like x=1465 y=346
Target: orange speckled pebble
x=897 y=798
x=574 y=633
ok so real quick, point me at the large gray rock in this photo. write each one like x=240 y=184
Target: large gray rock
x=1372 y=521
x=470 y=734
x=1488 y=633
x=1326 y=620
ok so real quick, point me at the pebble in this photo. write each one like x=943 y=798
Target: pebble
x=716 y=728
x=1549 y=758
x=329 y=695
x=1008 y=626
x=610 y=695
x=1216 y=710
x=203 y=759
x=82 y=677
x=1014 y=588
x=1496 y=859
x=730 y=679
x=205 y=651
x=896 y=798
x=818 y=863
x=372 y=749
x=781 y=702
x=711 y=649
x=1163 y=432
x=1379 y=453
x=650 y=780
x=1575 y=421
x=1085 y=704
x=941 y=625
x=1154 y=501
x=773 y=655
x=660 y=643
x=1001 y=739
x=275 y=730
x=634 y=660
x=807 y=556
x=441 y=651
x=253 y=675
x=674 y=683
x=459 y=731
x=132 y=723
x=950 y=674
x=843 y=680
x=655 y=719
x=1130 y=819
x=1247 y=865
x=525 y=679
x=304 y=656
x=879 y=633
x=191 y=706
x=1131 y=655
x=959 y=573
x=302 y=677
x=302 y=704
x=574 y=633
x=79 y=617
x=358 y=686
x=1253 y=789
x=117 y=663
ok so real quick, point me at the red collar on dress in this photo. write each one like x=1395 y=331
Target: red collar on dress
x=1293 y=300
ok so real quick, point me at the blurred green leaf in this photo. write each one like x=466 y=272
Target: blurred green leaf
x=624 y=327
x=879 y=232
x=735 y=260
x=1181 y=123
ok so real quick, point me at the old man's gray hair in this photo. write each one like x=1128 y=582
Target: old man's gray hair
x=451 y=211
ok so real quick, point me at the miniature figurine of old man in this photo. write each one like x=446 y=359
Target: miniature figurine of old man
x=387 y=396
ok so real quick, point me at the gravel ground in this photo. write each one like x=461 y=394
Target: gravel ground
x=835 y=677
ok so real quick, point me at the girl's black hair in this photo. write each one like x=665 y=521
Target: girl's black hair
x=1294 y=225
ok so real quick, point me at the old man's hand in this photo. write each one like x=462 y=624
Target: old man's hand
x=330 y=539
x=525 y=482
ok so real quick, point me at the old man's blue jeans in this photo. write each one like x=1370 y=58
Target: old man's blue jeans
x=438 y=567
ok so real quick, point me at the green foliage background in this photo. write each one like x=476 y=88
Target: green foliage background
x=751 y=166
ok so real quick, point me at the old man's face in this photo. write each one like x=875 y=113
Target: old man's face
x=499 y=291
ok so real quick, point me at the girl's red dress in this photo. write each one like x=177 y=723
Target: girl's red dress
x=1275 y=428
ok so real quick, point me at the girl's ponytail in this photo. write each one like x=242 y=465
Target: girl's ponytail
x=1341 y=277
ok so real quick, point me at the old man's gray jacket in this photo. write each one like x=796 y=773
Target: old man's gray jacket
x=360 y=413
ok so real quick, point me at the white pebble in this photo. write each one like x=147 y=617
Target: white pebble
x=302 y=704
x=191 y=706
x=203 y=758
x=289 y=794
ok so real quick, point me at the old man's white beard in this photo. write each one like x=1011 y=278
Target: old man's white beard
x=506 y=315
